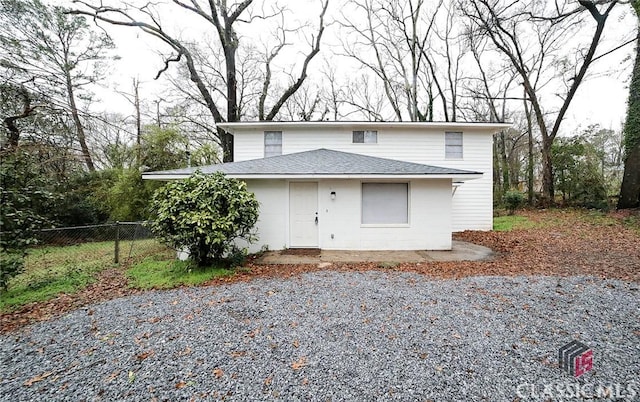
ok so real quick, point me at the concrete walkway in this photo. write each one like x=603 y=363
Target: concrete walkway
x=461 y=251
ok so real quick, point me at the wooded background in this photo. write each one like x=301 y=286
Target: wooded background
x=67 y=162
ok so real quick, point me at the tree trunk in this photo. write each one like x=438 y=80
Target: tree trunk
x=630 y=189
x=530 y=154
x=227 y=145
x=548 y=193
x=10 y=121
x=497 y=174
x=504 y=163
x=136 y=104
x=79 y=128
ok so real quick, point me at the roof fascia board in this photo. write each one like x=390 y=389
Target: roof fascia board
x=236 y=126
x=469 y=176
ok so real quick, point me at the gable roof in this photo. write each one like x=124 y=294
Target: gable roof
x=319 y=163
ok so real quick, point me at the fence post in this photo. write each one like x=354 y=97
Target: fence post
x=117 y=245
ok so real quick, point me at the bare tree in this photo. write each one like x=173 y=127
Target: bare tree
x=224 y=19
x=16 y=104
x=114 y=138
x=509 y=24
x=53 y=55
x=413 y=48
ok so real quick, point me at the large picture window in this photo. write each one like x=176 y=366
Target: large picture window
x=272 y=143
x=385 y=203
x=453 y=145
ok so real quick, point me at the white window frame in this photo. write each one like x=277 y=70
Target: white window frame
x=272 y=149
x=382 y=204
x=368 y=137
x=454 y=145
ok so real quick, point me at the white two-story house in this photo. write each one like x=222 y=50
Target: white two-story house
x=362 y=185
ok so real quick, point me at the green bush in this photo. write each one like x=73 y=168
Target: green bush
x=204 y=214
x=11 y=264
x=579 y=173
x=24 y=200
x=513 y=200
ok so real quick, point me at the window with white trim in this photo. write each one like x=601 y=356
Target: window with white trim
x=453 y=145
x=385 y=203
x=365 y=137
x=272 y=143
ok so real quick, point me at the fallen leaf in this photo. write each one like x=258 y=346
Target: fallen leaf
x=252 y=334
x=181 y=384
x=300 y=363
x=268 y=380
x=305 y=381
x=238 y=353
x=296 y=343
x=218 y=372
x=113 y=376
x=145 y=355
x=37 y=378
x=132 y=377
x=154 y=320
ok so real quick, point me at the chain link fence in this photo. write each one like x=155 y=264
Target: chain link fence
x=68 y=259
x=118 y=242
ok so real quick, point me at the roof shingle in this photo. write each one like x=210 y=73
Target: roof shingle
x=317 y=162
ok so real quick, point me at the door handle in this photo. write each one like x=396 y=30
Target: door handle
x=316 y=218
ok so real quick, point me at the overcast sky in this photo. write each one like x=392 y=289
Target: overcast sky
x=601 y=99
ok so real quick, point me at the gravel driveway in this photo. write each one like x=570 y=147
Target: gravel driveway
x=335 y=336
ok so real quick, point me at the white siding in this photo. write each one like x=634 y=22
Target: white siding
x=473 y=200
x=273 y=219
x=429 y=226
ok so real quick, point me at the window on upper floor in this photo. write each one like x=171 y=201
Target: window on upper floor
x=272 y=143
x=453 y=145
x=385 y=203
x=365 y=137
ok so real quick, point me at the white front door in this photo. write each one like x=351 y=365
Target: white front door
x=303 y=214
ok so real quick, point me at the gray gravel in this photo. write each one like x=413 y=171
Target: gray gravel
x=335 y=336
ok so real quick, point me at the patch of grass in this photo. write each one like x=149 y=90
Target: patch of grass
x=388 y=265
x=511 y=222
x=633 y=223
x=154 y=274
x=597 y=218
x=44 y=290
x=50 y=271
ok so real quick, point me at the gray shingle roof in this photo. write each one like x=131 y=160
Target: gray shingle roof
x=317 y=162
